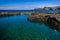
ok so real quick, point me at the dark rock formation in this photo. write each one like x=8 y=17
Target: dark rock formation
x=52 y=21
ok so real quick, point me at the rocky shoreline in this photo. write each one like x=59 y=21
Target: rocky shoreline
x=4 y=14
x=50 y=19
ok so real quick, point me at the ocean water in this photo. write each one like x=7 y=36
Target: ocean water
x=19 y=28
x=29 y=10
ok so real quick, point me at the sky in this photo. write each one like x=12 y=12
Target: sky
x=27 y=4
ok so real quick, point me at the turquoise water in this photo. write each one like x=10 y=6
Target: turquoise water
x=19 y=28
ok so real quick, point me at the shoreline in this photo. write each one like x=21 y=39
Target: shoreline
x=50 y=19
x=6 y=14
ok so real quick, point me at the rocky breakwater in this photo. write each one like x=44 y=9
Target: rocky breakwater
x=49 y=19
x=4 y=14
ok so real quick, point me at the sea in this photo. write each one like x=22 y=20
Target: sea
x=29 y=10
x=19 y=28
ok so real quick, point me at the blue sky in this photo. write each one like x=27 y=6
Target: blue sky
x=27 y=4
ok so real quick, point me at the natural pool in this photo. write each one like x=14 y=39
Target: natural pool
x=19 y=28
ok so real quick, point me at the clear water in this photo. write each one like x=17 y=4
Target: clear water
x=19 y=28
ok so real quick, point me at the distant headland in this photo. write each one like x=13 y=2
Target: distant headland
x=48 y=8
